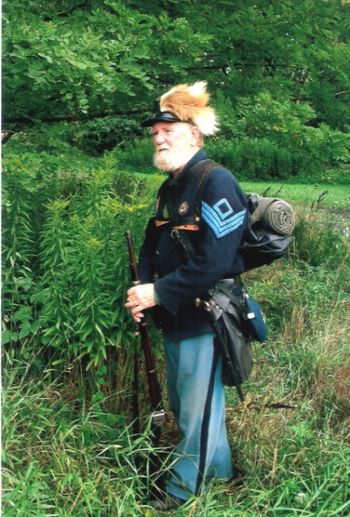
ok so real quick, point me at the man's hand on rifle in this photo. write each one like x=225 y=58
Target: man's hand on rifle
x=140 y=297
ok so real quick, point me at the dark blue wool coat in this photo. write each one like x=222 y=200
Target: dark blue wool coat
x=179 y=280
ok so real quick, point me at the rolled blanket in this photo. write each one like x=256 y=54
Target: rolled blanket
x=274 y=215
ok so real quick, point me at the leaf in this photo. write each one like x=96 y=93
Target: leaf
x=78 y=64
x=7 y=336
x=24 y=314
x=48 y=58
x=25 y=331
x=98 y=397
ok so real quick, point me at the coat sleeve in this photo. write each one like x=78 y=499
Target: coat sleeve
x=223 y=222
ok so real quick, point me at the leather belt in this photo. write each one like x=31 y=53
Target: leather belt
x=189 y=227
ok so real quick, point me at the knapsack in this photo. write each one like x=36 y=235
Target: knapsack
x=270 y=223
x=268 y=237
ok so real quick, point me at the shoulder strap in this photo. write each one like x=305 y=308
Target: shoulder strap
x=207 y=167
x=202 y=168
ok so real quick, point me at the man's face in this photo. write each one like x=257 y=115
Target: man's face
x=175 y=143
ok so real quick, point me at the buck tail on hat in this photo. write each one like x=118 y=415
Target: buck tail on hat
x=190 y=104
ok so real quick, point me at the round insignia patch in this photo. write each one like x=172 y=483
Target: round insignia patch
x=183 y=208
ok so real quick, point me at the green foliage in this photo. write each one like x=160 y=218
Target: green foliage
x=263 y=115
x=84 y=59
x=278 y=73
x=254 y=159
x=136 y=154
x=57 y=461
x=96 y=136
x=75 y=62
x=330 y=251
x=19 y=252
x=273 y=138
x=66 y=274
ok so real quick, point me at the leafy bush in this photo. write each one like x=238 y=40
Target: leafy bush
x=97 y=136
x=320 y=242
x=136 y=154
x=253 y=159
x=65 y=271
x=266 y=138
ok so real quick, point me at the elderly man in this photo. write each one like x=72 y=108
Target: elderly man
x=190 y=244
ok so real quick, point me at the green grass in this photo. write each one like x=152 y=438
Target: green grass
x=60 y=461
x=330 y=196
x=336 y=197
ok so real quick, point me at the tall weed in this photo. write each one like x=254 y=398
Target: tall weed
x=67 y=270
x=57 y=461
x=307 y=303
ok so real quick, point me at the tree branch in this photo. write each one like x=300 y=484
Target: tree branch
x=71 y=118
x=341 y=93
x=6 y=135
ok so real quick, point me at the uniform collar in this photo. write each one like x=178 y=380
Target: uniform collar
x=184 y=174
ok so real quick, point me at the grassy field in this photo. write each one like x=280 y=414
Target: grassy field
x=334 y=197
x=290 y=438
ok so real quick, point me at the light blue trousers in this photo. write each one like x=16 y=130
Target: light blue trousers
x=196 y=397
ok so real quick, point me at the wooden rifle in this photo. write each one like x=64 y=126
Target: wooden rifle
x=158 y=413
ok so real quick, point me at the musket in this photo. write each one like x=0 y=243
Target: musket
x=155 y=395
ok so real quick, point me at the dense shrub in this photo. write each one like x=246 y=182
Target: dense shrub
x=99 y=135
x=65 y=269
x=265 y=138
x=320 y=243
x=136 y=155
x=253 y=159
x=283 y=149
x=260 y=157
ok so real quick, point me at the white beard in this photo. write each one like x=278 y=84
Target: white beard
x=171 y=160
